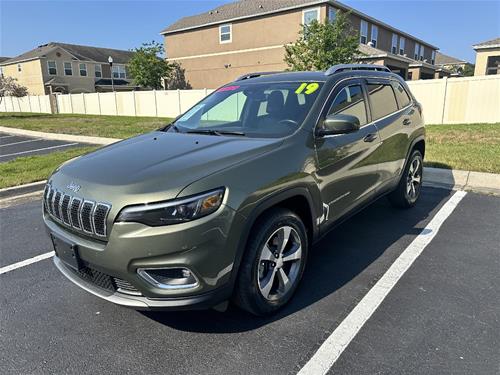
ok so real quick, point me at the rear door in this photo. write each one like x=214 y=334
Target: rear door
x=347 y=173
x=393 y=120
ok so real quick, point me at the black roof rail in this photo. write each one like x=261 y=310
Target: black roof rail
x=343 y=67
x=254 y=75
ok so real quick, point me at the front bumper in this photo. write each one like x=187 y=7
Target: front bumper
x=202 y=301
x=207 y=247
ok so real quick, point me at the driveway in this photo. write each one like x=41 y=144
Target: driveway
x=442 y=315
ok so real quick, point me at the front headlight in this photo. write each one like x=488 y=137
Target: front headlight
x=175 y=211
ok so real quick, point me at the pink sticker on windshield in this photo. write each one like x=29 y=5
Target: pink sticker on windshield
x=228 y=88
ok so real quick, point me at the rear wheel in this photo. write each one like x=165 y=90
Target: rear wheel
x=273 y=264
x=408 y=191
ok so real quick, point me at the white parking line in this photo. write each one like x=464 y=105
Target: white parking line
x=40 y=149
x=328 y=353
x=18 y=143
x=26 y=262
x=6 y=136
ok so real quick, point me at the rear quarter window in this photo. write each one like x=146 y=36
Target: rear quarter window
x=402 y=95
x=382 y=99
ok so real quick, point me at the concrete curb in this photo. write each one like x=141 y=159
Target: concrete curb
x=59 y=137
x=488 y=183
x=22 y=189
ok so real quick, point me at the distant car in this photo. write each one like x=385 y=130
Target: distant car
x=225 y=202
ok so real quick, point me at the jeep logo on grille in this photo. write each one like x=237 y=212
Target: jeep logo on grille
x=73 y=187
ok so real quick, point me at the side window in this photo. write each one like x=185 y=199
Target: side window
x=401 y=95
x=350 y=101
x=382 y=99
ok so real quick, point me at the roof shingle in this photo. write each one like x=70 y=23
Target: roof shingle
x=442 y=59
x=84 y=53
x=488 y=44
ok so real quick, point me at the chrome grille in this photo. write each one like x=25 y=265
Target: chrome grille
x=56 y=205
x=64 y=208
x=83 y=215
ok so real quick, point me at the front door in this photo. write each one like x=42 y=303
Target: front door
x=347 y=171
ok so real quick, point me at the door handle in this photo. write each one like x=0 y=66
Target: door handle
x=370 y=137
x=406 y=121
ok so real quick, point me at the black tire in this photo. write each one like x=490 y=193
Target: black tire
x=403 y=196
x=248 y=292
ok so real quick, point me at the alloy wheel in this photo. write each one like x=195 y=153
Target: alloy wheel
x=414 y=179
x=279 y=263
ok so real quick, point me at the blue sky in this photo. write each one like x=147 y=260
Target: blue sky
x=451 y=25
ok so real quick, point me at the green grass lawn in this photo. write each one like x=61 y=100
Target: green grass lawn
x=28 y=169
x=474 y=147
x=97 y=126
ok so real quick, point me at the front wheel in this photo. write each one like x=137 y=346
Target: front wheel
x=273 y=264
x=408 y=191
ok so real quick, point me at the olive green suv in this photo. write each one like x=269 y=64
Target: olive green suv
x=224 y=203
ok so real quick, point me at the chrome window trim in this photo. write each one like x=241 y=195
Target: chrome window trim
x=412 y=103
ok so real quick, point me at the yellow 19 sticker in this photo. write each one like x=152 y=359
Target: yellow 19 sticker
x=308 y=87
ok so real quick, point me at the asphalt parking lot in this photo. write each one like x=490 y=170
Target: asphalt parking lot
x=14 y=146
x=441 y=317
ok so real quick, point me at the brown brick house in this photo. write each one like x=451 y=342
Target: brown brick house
x=247 y=36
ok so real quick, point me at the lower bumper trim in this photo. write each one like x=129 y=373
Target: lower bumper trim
x=202 y=301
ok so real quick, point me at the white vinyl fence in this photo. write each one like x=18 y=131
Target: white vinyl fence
x=464 y=100
x=445 y=101
x=32 y=103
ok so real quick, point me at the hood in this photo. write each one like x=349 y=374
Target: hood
x=155 y=166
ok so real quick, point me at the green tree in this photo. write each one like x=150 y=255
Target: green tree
x=10 y=87
x=148 y=66
x=321 y=45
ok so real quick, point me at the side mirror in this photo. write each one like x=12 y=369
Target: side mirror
x=338 y=124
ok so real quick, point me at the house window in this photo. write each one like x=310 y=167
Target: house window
x=433 y=57
x=98 y=71
x=363 y=38
x=394 y=45
x=119 y=71
x=417 y=51
x=226 y=34
x=493 y=65
x=402 y=41
x=52 y=68
x=374 y=36
x=310 y=15
x=332 y=14
x=83 y=70
x=19 y=68
x=68 y=69
x=422 y=53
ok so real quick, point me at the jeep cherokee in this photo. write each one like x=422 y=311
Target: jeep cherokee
x=225 y=202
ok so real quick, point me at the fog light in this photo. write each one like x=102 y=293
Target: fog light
x=169 y=278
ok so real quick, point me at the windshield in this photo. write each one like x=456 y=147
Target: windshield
x=269 y=110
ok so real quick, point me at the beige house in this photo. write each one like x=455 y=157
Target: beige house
x=69 y=68
x=455 y=66
x=487 y=57
x=248 y=36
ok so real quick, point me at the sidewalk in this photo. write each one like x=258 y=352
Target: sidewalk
x=488 y=183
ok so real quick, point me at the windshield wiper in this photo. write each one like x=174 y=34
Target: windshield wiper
x=216 y=132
